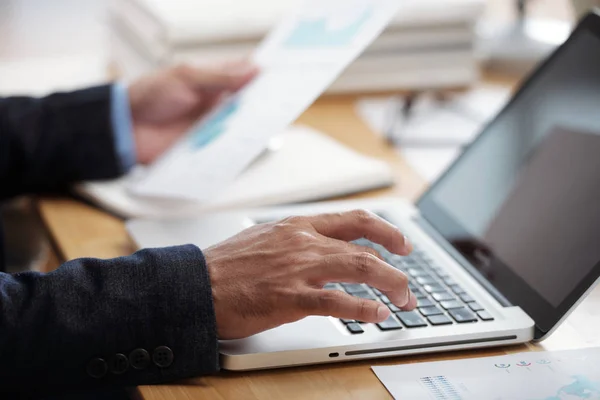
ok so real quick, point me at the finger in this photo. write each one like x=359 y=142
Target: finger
x=412 y=303
x=365 y=268
x=338 y=246
x=338 y=304
x=358 y=224
x=220 y=79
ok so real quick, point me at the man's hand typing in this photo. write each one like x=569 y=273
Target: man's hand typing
x=274 y=273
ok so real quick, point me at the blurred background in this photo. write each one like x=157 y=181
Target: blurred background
x=433 y=47
x=46 y=45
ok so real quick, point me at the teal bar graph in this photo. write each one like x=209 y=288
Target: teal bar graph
x=214 y=127
x=318 y=33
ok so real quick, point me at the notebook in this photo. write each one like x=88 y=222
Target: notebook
x=301 y=165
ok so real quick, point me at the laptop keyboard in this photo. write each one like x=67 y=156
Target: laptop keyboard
x=441 y=301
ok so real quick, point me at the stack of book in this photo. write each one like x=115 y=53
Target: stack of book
x=429 y=45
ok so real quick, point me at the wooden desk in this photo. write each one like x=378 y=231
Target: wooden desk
x=80 y=230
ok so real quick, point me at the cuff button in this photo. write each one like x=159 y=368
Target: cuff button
x=139 y=359
x=162 y=357
x=97 y=368
x=118 y=364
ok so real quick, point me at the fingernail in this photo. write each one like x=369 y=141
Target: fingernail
x=382 y=312
x=408 y=247
x=407 y=295
x=412 y=303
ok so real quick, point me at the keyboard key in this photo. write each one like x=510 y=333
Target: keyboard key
x=436 y=268
x=397 y=264
x=364 y=295
x=442 y=273
x=457 y=289
x=411 y=319
x=466 y=298
x=347 y=321
x=425 y=303
x=475 y=306
x=389 y=324
x=450 y=304
x=462 y=315
x=410 y=260
x=426 y=280
x=354 y=287
x=354 y=328
x=419 y=293
x=486 y=316
x=385 y=299
x=393 y=308
x=363 y=242
x=331 y=286
x=443 y=296
x=434 y=287
x=376 y=291
x=425 y=257
x=412 y=286
x=433 y=310
x=439 y=320
x=449 y=281
x=416 y=272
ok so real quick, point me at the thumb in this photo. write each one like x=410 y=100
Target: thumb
x=229 y=77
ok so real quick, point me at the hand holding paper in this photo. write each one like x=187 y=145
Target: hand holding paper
x=298 y=61
x=165 y=105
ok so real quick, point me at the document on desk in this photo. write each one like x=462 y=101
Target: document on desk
x=298 y=60
x=573 y=374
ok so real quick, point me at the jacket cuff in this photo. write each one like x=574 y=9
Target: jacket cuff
x=188 y=323
x=82 y=121
x=183 y=319
x=122 y=126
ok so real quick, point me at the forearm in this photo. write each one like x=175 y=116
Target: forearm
x=51 y=142
x=59 y=328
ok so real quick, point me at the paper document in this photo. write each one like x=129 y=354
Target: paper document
x=431 y=121
x=434 y=132
x=298 y=60
x=573 y=375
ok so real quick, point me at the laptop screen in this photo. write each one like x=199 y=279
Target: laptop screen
x=522 y=204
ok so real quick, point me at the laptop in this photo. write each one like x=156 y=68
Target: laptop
x=507 y=241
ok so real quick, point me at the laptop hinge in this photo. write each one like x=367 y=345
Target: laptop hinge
x=442 y=242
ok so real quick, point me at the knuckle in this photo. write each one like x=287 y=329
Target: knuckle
x=364 y=217
x=373 y=252
x=294 y=220
x=363 y=263
x=338 y=215
x=302 y=239
x=285 y=225
x=362 y=308
x=288 y=225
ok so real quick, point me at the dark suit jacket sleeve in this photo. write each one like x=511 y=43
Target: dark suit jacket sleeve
x=49 y=142
x=56 y=328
